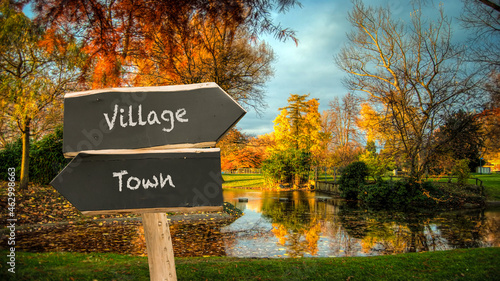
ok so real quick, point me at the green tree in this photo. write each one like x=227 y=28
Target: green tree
x=461 y=137
x=36 y=68
x=376 y=163
x=461 y=170
x=288 y=166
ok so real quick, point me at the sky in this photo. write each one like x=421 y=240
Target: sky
x=309 y=68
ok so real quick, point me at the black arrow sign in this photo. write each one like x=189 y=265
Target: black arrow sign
x=196 y=115
x=159 y=181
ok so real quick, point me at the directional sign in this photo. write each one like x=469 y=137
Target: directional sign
x=196 y=115
x=142 y=182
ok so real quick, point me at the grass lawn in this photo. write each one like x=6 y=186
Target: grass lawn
x=243 y=180
x=470 y=264
x=491 y=183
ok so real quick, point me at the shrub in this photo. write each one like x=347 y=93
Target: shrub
x=352 y=179
x=396 y=194
x=461 y=170
x=10 y=157
x=284 y=166
x=47 y=158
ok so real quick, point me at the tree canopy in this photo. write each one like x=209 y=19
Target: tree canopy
x=36 y=67
x=412 y=72
x=147 y=43
x=340 y=126
x=297 y=141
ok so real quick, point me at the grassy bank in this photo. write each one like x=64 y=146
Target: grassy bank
x=471 y=264
x=491 y=182
x=243 y=180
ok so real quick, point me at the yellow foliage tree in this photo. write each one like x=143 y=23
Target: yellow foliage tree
x=298 y=141
x=369 y=121
x=36 y=66
x=299 y=126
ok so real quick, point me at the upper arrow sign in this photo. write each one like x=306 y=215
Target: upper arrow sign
x=196 y=115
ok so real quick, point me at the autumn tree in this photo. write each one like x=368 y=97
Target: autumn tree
x=298 y=125
x=298 y=139
x=373 y=123
x=213 y=49
x=339 y=123
x=239 y=150
x=132 y=42
x=36 y=67
x=483 y=18
x=490 y=120
x=369 y=121
x=412 y=73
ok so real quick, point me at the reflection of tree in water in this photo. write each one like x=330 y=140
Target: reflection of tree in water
x=389 y=232
x=295 y=225
x=492 y=228
x=466 y=229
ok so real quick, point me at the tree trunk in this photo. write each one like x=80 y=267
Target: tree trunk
x=25 y=159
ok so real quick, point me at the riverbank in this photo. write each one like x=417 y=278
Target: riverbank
x=491 y=183
x=470 y=264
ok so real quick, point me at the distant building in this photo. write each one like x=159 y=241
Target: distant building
x=483 y=170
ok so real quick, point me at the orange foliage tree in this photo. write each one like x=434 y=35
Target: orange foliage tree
x=144 y=43
x=490 y=118
x=208 y=49
x=239 y=151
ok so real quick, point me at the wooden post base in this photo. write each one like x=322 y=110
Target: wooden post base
x=159 y=247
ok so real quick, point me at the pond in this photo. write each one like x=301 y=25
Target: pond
x=311 y=224
x=279 y=224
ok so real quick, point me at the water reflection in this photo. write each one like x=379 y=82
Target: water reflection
x=301 y=223
x=281 y=224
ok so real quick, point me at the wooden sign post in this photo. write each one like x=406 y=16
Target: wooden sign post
x=159 y=245
x=133 y=152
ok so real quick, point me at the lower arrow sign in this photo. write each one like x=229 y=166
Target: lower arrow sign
x=126 y=182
